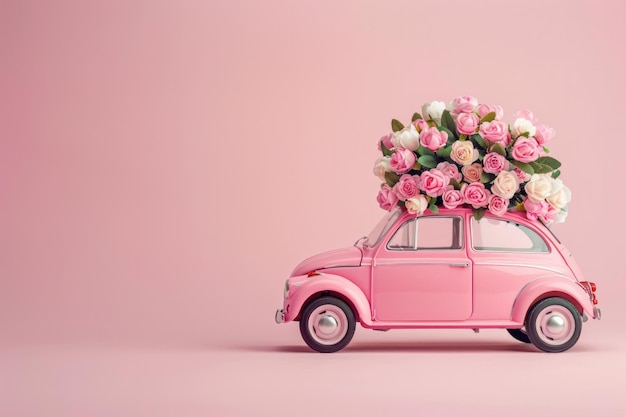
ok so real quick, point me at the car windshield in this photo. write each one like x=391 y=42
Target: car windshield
x=383 y=227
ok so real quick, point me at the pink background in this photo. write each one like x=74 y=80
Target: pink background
x=164 y=165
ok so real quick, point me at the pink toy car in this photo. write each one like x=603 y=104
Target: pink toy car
x=443 y=270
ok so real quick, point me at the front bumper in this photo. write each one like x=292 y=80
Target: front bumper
x=280 y=316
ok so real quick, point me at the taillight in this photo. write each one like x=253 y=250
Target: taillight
x=312 y=274
x=593 y=286
x=594 y=299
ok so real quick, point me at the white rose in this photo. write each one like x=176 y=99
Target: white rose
x=407 y=138
x=416 y=205
x=505 y=185
x=538 y=187
x=522 y=126
x=560 y=216
x=433 y=110
x=382 y=165
x=560 y=195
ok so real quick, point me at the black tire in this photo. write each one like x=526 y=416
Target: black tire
x=327 y=324
x=564 y=319
x=519 y=334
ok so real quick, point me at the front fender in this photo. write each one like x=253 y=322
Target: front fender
x=550 y=286
x=309 y=287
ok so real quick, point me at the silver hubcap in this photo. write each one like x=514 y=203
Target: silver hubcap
x=555 y=325
x=328 y=324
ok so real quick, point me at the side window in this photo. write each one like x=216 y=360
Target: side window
x=428 y=233
x=496 y=235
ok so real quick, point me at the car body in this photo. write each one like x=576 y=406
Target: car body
x=443 y=270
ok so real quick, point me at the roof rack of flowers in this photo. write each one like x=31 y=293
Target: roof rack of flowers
x=464 y=155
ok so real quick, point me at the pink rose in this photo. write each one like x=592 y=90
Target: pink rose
x=521 y=175
x=526 y=114
x=407 y=186
x=498 y=205
x=475 y=194
x=550 y=215
x=463 y=152
x=452 y=199
x=451 y=170
x=495 y=132
x=535 y=210
x=386 y=198
x=434 y=182
x=525 y=149
x=544 y=134
x=472 y=173
x=494 y=163
x=402 y=160
x=485 y=109
x=467 y=123
x=433 y=139
x=386 y=140
x=417 y=205
x=420 y=125
x=463 y=104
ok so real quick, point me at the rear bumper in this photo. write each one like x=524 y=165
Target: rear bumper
x=597 y=313
x=280 y=316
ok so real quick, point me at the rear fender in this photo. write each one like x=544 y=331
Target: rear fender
x=551 y=286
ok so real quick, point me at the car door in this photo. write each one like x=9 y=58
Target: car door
x=422 y=273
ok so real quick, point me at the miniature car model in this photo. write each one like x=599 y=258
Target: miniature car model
x=444 y=270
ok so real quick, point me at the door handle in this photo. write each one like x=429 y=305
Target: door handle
x=463 y=265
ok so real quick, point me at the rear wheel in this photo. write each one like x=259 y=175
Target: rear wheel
x=519 y=334
x=327 y=324
x=553 y=325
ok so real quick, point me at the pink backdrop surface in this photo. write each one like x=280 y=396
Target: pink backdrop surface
x=164 y=165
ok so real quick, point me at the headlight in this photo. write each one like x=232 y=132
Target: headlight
x=286 y=291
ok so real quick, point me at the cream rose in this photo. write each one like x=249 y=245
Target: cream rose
x=416 y=205
x=433 y=111
x=560 y=196
x=407 y=138
x=538 y=187
x=463 y=152
x=505 y=185
x=523 y=126
x=382 y=165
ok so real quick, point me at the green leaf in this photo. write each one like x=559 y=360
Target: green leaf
x=548 y=160
x=527 y=168
x=486 y=178
x=480 y=141
x=396 y=125
x=499 y=149
x=425 y=151
x=455 y=184
x=416 y=116
x=448 y=122
x=489 y=117
x=444 y=152
x=546 y=150
x=383 y=148
x=427 y=161
x=416 y=166
x=391 y=178
x=556 y=174
x=462 y=137
x=541 y=168
x=433 y=208
x=525 y=134
x=478 y=213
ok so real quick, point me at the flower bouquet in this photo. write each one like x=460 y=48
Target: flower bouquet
x=463 y=154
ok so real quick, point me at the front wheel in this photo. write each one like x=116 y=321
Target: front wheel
x=327 y=324
x=553 y=325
